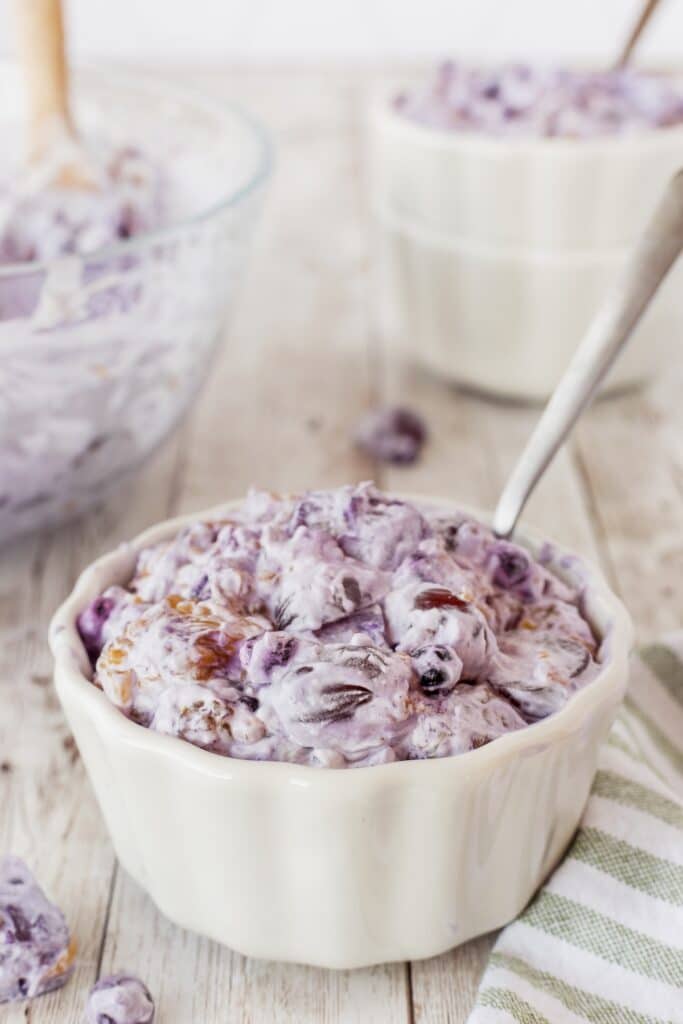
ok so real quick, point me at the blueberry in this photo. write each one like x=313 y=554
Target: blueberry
x=91 y=622
x=438 y=669
x=394 y=435
x=511 y=565
x=433 y=680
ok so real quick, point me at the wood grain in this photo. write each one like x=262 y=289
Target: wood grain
x=302 y=359
x=631 y=454
x=48 y=814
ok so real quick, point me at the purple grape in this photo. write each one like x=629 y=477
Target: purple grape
x=393 y=435
x=91 y=623
x=36 y=953
x=438 y=669
x=511 y=565
x=119 y=999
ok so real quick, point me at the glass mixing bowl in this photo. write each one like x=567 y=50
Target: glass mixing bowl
x=101 y=355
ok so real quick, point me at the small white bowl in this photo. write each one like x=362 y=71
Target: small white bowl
x=537 y=192
x=507 y=321
x=338 y=868
x=494 y=253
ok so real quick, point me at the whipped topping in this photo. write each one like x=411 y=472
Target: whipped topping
x=517 y=99
x=36 y=953
x=339 y=628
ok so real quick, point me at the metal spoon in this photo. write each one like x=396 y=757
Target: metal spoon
x=612 y=326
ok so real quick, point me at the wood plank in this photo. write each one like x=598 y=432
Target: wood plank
x=444 y=989
x=47 y=811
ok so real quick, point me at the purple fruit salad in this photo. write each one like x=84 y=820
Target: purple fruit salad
x=519 y=100
x=119 y=999
x=36 y=952
x=339 y=628
x=41 y=220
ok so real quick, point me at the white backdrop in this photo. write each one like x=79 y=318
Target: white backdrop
x=214 y=30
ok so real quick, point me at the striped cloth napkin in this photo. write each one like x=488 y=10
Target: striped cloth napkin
x=602 y=942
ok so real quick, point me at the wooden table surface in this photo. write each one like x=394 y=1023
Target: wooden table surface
x=302 y=360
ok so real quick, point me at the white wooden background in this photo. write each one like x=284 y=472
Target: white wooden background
x=302 y=360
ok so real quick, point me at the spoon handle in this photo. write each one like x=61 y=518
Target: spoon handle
x=648 y=264
x=639 y=27
x=40 y=43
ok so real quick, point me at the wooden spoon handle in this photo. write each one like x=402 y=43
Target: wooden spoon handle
x=40 y=39
x=644 y=16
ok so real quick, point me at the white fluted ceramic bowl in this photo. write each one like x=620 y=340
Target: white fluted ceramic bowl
x=495 y=253
x=338 y=868
x=507 y=321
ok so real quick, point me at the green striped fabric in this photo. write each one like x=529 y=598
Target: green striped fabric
x=602 y=942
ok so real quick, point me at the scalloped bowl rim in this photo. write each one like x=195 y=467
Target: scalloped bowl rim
x=72 y=663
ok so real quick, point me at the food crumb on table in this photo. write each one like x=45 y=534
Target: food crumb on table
x=393 y=434
x=119 y=999
x=36 y=950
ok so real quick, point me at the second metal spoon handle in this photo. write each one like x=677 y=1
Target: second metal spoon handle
x=644 y=18
x=607 y=334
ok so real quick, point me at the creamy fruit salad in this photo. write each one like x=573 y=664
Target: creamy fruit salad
x=518 y=99
x=36 y=952
x=41 y=219
x=339 y=628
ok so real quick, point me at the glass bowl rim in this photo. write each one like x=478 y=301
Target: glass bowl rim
x=159 y=84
